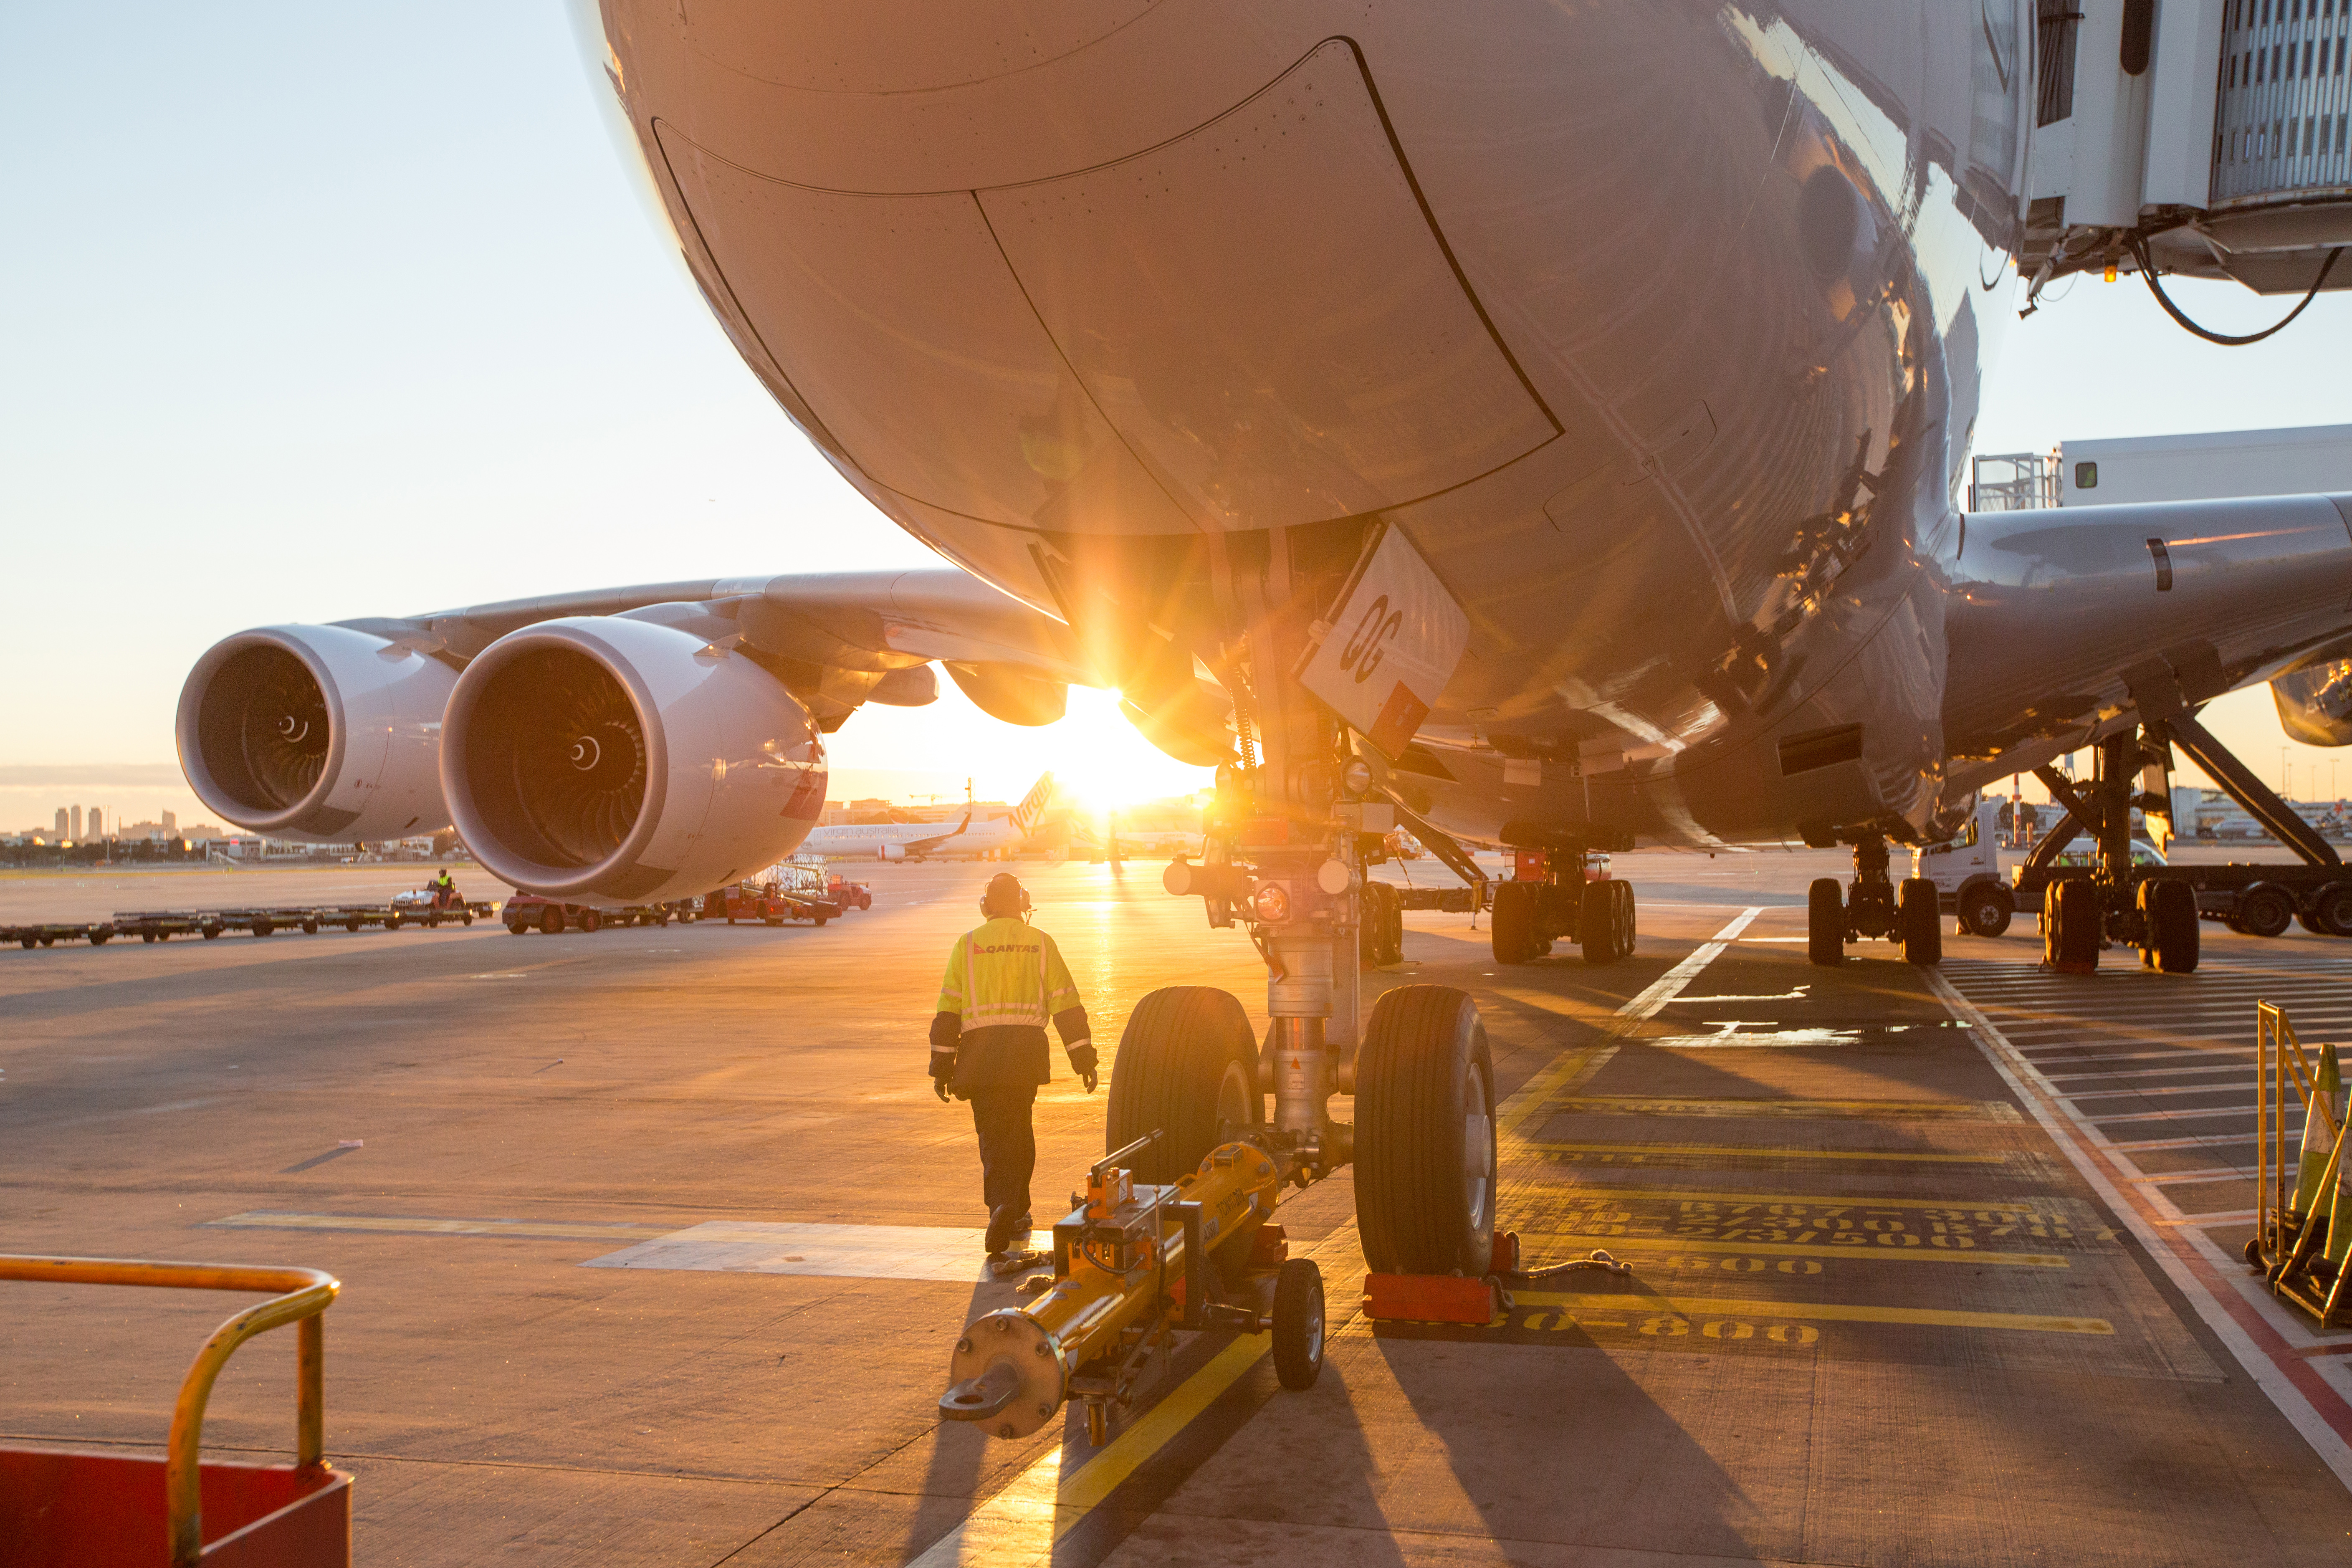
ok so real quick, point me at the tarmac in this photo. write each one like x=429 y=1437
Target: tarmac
x=654 y=1243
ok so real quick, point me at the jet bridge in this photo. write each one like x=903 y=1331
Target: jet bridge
x=2207 y=138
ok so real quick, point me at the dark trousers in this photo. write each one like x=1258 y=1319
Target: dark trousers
x=1008 y=1145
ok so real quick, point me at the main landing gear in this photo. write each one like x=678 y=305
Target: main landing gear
x=1873 y=906
x=2082 y=914
x=1553 y=896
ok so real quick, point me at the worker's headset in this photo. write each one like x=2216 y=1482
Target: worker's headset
x=984 y=899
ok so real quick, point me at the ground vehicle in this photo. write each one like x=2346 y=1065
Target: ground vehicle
x=432 y=908
x=1966 y=874
x=789 y=891
x=845 y=894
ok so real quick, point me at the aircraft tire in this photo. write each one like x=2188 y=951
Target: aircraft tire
x=1511 y=924
x=1425 y=1169
x=1922 y=923
x=1826 y=923
x=1299 y=1323
x=1599 y=923
x=2169 y=913
x=1186 y=1068
x=2070 y=926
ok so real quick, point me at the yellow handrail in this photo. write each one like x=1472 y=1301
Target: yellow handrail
x=299 y=1295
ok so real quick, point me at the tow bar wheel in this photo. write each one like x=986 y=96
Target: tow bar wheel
x=1299 y=1323
x=1425 y=1135
x=1187 y=1066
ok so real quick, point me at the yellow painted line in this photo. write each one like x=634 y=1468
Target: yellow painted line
x=1755 y=1153
x=394 y=1225
x=1815 y=1311
x=1657 y=1246
x=1878 y=1110
x=1533 y=1096
x=1811 y=1202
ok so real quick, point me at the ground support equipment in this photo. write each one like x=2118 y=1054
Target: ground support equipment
x=48 y=933
x=161 y=925
x=2299 y=1254
x=1134 y=1264
x=1873 y=906
x=62 y=1508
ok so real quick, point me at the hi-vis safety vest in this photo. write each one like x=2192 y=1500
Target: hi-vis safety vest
x=1006 y=972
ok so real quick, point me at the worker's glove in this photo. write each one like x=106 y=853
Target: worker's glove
x=1082 y=1062
x=942 y=1069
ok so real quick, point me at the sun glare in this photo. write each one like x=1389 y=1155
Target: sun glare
x=1100 y=763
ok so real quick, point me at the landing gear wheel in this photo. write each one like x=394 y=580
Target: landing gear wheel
x=551 y=920
x=2265 y=911
x=1921 y=923
x=2169 y=913
x=1600 y=922
x=1625 y=933
x=1425 y=1135
x=1826 y=923
x=2069 y=927
x=1512 y=923
x=1299 y=1323
x=1381 y=939
x=1187 y=1068
x=1984 y=910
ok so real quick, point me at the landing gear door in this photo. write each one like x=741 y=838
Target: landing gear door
x=1389 y=645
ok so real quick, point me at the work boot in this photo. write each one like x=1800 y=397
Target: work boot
x=1002 y=1226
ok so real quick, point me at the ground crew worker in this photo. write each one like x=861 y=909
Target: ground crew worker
x=444 y=890
x=1004 y=981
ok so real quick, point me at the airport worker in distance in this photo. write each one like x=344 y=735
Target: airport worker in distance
x=444 y=890
x=1004 y=981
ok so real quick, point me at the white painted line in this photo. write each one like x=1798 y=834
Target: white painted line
x=1669 y=985
x=2291 y=1387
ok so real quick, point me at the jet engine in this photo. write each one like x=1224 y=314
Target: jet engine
x=320 y=732
x=613 y=759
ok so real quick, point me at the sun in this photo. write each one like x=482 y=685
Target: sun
x=1102 y=763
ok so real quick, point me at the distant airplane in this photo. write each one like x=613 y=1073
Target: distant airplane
x=923 y=840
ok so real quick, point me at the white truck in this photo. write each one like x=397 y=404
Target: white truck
x=1968 y=875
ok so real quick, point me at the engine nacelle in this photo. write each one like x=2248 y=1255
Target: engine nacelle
x=610 y=759
x=317 y=732
x=890 y=852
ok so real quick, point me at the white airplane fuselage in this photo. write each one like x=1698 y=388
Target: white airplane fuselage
x=1659 y=328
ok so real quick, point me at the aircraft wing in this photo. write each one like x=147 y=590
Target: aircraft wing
x=839 y=638
x=931 y=845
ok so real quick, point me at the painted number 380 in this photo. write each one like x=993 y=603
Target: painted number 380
x=1368 y=644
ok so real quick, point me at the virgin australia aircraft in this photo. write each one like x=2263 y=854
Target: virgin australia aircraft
x=998 y=837
x=1639 y=346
